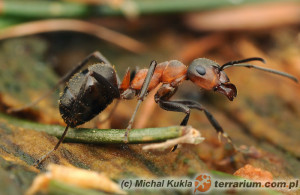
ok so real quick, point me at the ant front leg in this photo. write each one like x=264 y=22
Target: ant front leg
x=184 y=106
x=141 y=97
x=209 y=116
x=164 y=93
x=63 y=79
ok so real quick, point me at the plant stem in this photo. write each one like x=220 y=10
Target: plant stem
x=58 y=187
x=42 y=9
x=50 y=9
x=9 y=21
x=52 y=25
x=102 y=136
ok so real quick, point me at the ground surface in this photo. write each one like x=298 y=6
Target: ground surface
x=264 y=116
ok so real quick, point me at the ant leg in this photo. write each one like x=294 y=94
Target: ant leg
x=210 y=117
x=185 y=106
x=100 y=79
x=81 y=91
x=63 y=79
x=177 y=107
x=141 y=97
x=79 y=66
x=39 y=161
x=110 y=113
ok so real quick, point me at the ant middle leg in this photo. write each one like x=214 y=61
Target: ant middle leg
x=63 y=79
x=141 y=97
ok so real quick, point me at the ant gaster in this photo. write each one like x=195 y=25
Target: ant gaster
x=91 y=90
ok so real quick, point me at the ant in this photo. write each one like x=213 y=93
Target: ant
x=90 y=91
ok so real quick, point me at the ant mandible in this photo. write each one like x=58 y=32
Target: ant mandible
x=90 y=91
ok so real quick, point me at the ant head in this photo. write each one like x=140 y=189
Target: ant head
x=207 y=74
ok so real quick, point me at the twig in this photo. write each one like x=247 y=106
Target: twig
x=104 y=136
x=191 y=136
x=58 y=187
x=250 y=17
x=48 y=9
x=91 y=2
x=43 y=9
x=67 y=178
x=101 y=32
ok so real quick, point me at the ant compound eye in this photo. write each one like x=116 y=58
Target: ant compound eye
x=201 y=70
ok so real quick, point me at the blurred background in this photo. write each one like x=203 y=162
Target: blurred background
x=41 y=40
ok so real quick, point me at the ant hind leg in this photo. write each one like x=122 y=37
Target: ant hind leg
x=63 y=79
x=81 y=91
x=39 y=161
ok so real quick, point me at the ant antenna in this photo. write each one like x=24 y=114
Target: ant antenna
x=232 y=63
x=241 y=63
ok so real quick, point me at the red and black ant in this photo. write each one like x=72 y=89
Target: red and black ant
x=91 y=90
